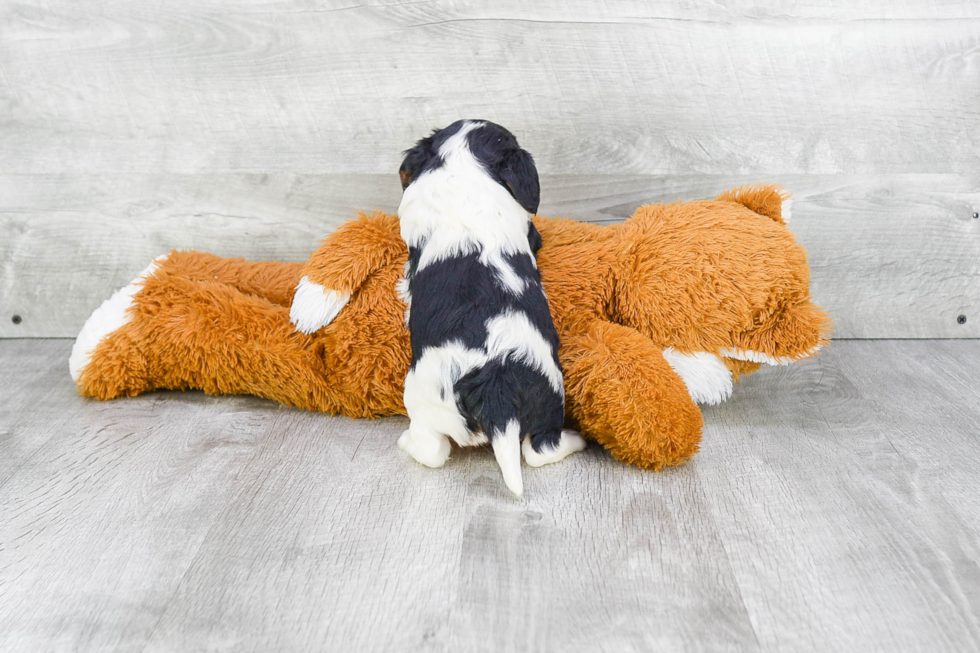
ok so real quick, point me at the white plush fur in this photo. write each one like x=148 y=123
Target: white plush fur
x=707 y=378
x=512 y=334
x=761 y=357
x=314 y=306
x=786 y=210
x=107 y=318
x=570 y=443
x=507 y=451
x=459 y=209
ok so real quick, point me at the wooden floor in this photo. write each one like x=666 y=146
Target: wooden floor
x=835 y=506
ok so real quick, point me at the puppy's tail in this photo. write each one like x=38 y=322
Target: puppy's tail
x=507 y=450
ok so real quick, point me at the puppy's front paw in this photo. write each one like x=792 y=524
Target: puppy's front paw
x=569 y=443
x=430 y=450
x=314 y=307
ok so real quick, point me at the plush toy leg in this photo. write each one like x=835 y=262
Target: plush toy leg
x=202 y=322
x=271 y=280
x=798 y=332
x=623 y=394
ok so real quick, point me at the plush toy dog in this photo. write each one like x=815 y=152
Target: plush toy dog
x=654 y=314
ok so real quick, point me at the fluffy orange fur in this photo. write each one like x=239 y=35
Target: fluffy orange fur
x=711 y=276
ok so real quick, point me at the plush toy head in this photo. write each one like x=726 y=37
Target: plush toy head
x=717 y=276
x=666 y=310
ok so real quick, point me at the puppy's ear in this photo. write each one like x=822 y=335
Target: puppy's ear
x=533 y=238
x=518 y=173
x=414 y=162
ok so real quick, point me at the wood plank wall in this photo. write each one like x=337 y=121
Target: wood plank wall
x=253 y=128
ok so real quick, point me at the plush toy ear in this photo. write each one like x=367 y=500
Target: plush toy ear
x=518 y=173
x=533 y=238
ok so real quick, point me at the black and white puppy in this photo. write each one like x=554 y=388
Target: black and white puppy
x=484 y=347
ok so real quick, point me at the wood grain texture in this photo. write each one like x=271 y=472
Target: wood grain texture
x=593 y=88
x=894 y=256
x=254 y=128
x=832 y=507
x=851 y=493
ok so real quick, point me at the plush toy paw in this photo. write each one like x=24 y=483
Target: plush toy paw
x=108 y=318
x=430 y=449
x=569 y=443
x=314 y=306
x=706 y=376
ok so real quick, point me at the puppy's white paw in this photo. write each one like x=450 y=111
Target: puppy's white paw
x=432 y=450
x=314 y=307
x=570 y=443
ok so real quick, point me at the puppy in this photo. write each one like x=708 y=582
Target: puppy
x=484 y=347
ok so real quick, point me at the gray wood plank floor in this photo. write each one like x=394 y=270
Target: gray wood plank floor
x=834 y=506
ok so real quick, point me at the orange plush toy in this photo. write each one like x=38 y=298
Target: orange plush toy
x=655 y=315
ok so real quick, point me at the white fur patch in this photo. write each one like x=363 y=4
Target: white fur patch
x=786 y=210
x=504 y=272
x=512 y=334
x=107 y=318
x=430 y=398
x=314 y=307
x=459 y=209
x=760 y=357
x=507 y=451
x=425 y=446
x=570 y=443
x=707 y=378
x=405 y=293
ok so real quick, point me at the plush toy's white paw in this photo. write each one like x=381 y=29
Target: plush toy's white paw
x=786 y=209
x=707 y=378
x=570 y=443
x=314 y=307
x=764 y=358
x=432 y=450
x=106 y=319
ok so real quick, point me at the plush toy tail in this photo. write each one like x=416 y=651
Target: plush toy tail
x=507 y=450
x=765 y=199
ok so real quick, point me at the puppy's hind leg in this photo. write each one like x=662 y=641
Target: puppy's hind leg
x=544 y=448
x=425 y=445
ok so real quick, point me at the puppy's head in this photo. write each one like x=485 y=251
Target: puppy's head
x=492 y=148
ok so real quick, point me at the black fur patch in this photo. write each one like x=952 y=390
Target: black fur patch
x=533 y=238
x=510 y=166
x=452 y=300
x=424 y=155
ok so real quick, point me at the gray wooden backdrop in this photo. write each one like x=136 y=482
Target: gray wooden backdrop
x=253 y=128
